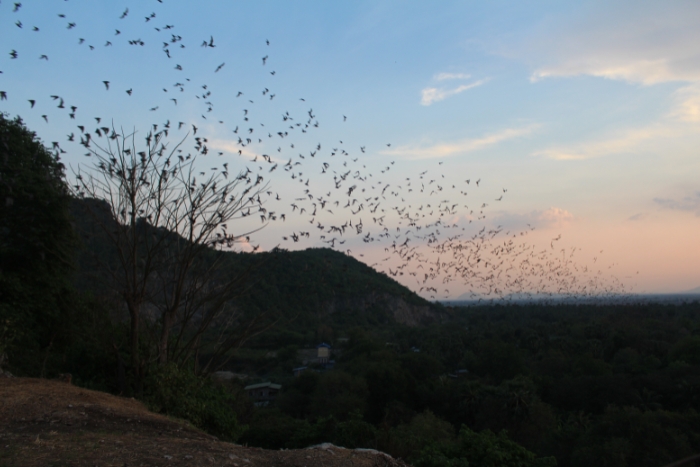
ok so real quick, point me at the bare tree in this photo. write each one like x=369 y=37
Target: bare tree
x=167 y=231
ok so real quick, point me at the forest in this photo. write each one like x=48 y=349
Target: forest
x=491 y=385
x=587 y=385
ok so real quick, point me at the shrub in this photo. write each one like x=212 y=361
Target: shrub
x=271 y=428
x=485 y=449
x=180 y=393
x=355 y=433
x=407 y=440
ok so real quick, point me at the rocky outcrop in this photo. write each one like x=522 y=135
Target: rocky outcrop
x=45 y=422
x=415 y=315
x=387 y=308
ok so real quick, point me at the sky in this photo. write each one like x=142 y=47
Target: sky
x=582 y=117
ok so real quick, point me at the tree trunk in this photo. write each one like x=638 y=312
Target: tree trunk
x=134 y=341
x=164 y=337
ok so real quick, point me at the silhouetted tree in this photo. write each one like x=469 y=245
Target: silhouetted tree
x=36 y=247
x=166 y=229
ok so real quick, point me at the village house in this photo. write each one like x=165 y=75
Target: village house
x=323 y=352
x=263 y=393
x=315 y=359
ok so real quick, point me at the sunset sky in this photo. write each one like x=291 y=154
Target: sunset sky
x=586 y=113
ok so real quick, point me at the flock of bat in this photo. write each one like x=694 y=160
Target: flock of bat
x=425 y=230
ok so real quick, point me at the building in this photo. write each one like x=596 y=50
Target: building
x=263 y=393
x=323 y=352
x=228 y=376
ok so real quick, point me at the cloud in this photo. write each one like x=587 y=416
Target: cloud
x=687 y=104
x=446 y=76
x=460 y=147
x=637 y=217
x=432 y=95
x=555 y=217
x=641 y=71
x=640 y=42
x=687 y=204
x=628 y=141
x=548 y=219
x=234 y=147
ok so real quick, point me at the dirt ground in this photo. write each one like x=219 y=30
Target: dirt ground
x=52 y=423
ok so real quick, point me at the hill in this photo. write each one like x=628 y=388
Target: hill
x=323 y=285
x=311 y=287
x=45 y=422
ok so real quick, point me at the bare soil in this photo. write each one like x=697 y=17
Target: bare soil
x=52 y=423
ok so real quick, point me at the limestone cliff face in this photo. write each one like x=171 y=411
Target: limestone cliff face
x=415 y=315
x=386 y=308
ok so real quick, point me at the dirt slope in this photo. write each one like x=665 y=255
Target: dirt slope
x=51 y=423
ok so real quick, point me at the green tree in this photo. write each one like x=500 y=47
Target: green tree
x=631 y=437
x=485 y=449
x=407 y=440
x=687 y=350
x=36 y=248
x=339 y=394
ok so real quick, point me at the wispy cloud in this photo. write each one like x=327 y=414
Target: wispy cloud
x=641 y=71
x=645 y=43
x=555 y=217
x=637 y=217
x=234 y=147
x=459 y=147
x=548 y=219
x=687 y=104
x=432 y=95
x=446 y=76
x=687 y=204
x=625 y=142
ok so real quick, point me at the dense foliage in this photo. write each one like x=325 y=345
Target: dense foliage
x=36 y=248
x=180 y=393
x=484 y=449
x=587 y=385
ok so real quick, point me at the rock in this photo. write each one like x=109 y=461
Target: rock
x=395 y=308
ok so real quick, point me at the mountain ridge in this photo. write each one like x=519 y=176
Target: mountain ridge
x=314 y=286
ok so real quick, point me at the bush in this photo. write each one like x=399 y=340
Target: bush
x=484 y=449
x=355 y=433
x=409 y=439
x=271 y=428
x=180 y=393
